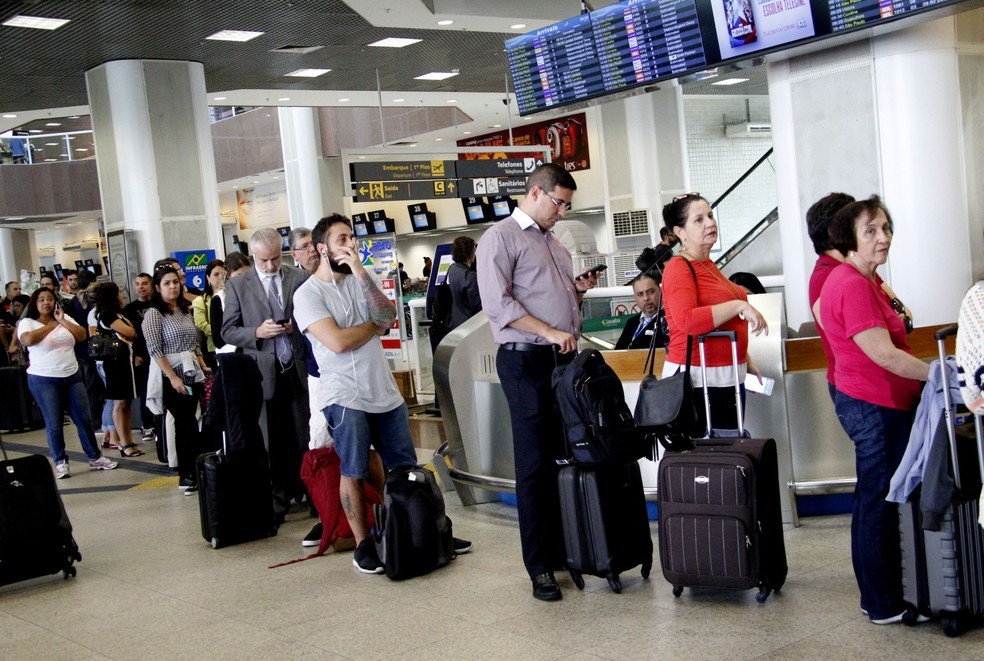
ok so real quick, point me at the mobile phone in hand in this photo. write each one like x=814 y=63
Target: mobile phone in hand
x=594 y=269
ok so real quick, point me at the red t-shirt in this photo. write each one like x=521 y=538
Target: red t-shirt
x=825 y=264
x=688 y=311
x=849 y=304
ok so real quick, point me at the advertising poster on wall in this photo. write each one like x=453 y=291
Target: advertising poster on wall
x=746 y=26
x=567 y=138
x=194 y=262
x=379 y=258
x=263 y=206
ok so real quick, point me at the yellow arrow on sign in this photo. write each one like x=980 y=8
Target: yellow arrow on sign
x=362 y=191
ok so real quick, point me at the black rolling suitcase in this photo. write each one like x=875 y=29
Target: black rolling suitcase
x=18 y=410
x=234 y=497
x=605 y=522
x=35 y=533
x=720 y=519
x=943 y=571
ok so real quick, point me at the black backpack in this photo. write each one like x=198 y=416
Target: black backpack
x=598 y=423
x=412 y=532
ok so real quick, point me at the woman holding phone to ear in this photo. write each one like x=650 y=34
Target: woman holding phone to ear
x=172 y=341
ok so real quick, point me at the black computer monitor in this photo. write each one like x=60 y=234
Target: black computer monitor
x=379 y=223
x=421 y=219
x=360 y=226
x=502 y=206
x=476 y=211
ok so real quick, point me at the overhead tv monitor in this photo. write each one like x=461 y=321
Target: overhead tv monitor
x=360 y=228
x=379 y=223
x=502 y=206
x=420 y=218
x=476 y=211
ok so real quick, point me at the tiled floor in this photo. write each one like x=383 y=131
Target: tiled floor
x=150 y=587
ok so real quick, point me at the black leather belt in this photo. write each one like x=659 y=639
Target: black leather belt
x=528 y=346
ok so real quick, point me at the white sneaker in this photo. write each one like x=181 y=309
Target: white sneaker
x=103 y=464
x=61 y=471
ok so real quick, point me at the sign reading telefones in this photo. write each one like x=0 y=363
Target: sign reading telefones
x=638 y=42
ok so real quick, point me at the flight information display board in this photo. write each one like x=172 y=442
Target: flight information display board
x=849 y=14
x=555 y=65
x=640 y=41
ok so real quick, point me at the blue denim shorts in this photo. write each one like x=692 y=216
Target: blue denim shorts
x=356 y=431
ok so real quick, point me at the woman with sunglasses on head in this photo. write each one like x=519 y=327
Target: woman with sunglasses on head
x=699 y=299
x=54 y=378
x=877 y=390
x=172 y=341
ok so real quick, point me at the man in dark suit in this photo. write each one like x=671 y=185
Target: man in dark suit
x=258 y=308
x=639 y=330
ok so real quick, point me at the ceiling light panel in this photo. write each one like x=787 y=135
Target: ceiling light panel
x=36 y=22
x=234 y=35
x=308 y=73
x=437 y=75
x=731 y=81
x=394 y=42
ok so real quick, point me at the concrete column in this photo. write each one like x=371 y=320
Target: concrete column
x=8 y=265
x=886 y=116
x=155 y=159
x=300 y=135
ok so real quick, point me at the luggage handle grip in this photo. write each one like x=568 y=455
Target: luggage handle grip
x=730 y=334
x=943 y=333
x=948 y=404
x=733 y=337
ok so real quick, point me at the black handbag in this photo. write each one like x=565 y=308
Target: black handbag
x=665 y=409
x=106 y=345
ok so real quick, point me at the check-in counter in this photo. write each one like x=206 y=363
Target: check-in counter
x=815 y=456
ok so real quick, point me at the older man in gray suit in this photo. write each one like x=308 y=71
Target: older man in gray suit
x=258 y=308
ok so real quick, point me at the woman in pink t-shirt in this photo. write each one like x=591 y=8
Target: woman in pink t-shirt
x=877 y=380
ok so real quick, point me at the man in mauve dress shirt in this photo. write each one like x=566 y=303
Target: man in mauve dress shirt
x=526 y=281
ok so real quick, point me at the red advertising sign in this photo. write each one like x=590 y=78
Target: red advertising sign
x=567 y=138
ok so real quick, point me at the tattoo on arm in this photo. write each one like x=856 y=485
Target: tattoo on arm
x=381 y=309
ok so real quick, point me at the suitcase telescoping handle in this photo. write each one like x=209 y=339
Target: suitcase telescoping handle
x=951 y=432
x=731 y=335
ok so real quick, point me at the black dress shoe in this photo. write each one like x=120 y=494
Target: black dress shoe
x=545 y=587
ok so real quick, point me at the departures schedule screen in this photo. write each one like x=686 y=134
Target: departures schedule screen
x=638 y=42
x=641 y=41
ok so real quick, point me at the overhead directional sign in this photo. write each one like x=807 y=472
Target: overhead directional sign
x=403 y=170
x=510 y=167
x=491 y=186
x=386 y=191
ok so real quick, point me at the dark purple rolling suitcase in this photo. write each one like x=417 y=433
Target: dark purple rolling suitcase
x=720 y=519
x=605 y=522
x=943 y=571
x=35 y=533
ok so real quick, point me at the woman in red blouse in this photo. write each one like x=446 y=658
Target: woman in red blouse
x=698 y=300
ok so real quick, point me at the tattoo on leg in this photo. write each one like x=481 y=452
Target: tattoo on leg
x=347 y=506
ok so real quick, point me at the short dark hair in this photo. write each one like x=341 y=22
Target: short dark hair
x=68 y=272
x=86 y=278
x=548 y=177
x=7 y=286
x=321 y=230
x=653 y=275
x=675 y=213
x=749 y=281
x=843 y=236
x=48 y=274
x=144 y=275
x=664 y=232
x=235 y=261
x=820 y=215
x=462 y=249
x=23 y=299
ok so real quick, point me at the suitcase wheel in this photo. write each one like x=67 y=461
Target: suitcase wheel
x=951 y=627
x=646 y=568
x=615 y=584
x=215 y=542
x=910 y=617
x=677 y=590
x=578 y=579
x=69 y=572
x=763 y=594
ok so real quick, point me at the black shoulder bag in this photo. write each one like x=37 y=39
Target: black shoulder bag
x=666 y=409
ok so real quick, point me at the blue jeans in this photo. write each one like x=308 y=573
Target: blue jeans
x=880 y=436
x=354 y=431
x=107 y=412
x=54 y=396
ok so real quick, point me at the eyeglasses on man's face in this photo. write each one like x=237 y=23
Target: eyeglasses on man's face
x=559 y=204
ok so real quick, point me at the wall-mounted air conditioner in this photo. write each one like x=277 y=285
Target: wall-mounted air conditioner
x=749 y=130
x=75 y=246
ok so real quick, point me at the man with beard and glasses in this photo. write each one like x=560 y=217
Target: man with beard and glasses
x=258 y=307
x=343 y=311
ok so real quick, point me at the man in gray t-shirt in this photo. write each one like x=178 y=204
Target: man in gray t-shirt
x=343 y=312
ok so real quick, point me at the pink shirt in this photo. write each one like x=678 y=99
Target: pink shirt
x=821 y=270
x=849 y=304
